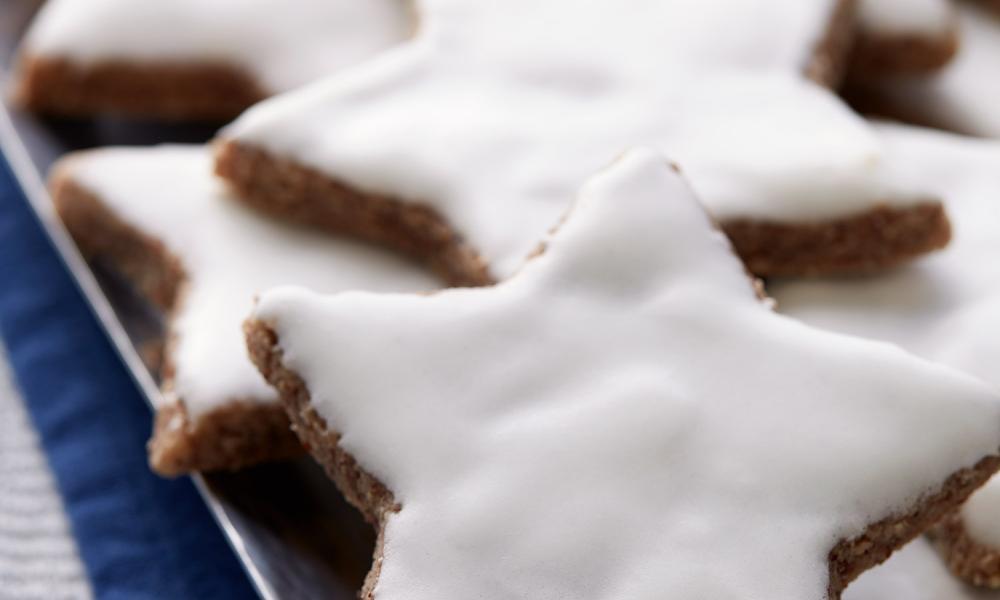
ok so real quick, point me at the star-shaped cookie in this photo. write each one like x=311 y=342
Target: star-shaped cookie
x=945 y=308
x=623 y=418
x=193 y=59
x=466 y=144
x=160 y=218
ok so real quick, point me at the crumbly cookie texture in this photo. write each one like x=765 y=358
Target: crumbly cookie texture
x=960 y=97
x=161 y=218
x=488 y=119
x=189 y=59
x=969 y=539
x=946 y=308
x=623 y=418
x=903 y=37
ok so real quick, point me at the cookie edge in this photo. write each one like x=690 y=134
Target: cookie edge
x=976 y=563
x=154 y=90
x=874 y=240
x=847 y=559
x=284 y=189
x=877 y=55
x=233 y=436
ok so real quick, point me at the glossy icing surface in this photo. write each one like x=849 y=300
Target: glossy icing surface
x=623 y=418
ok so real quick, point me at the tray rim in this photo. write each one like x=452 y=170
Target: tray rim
x=29 y=177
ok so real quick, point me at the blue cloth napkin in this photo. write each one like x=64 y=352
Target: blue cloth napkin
x=139 y=536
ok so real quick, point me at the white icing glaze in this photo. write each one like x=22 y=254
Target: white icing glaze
x=914 y=573
x=229 y=254
x=947 y=306
x=497 y=110
x=963 y=96
x=623 y=418
x=910 y=17
x=284 y=43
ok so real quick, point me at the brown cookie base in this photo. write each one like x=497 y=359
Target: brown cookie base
x=880 y=238
x=993 y=5
x=233 y=436
x=875 y=240
x=882 y=67
x=830 y=59
x=98 y=232
x=848 y=559
x=362 y=490
x=159 y=91
x=290 y=191
x=216 y=92
x=966 y=558
x=876 y=55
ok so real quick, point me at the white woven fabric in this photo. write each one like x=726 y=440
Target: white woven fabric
x=38 y=556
